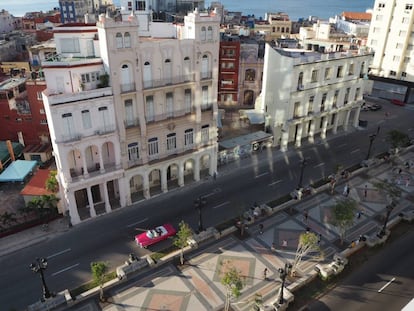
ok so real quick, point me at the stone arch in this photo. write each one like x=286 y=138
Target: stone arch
x=189 y=167
x=108 y=154
x=75 y=162
x=204 y=165
x=173 y=171
x=92 y=158
x=136 y=188
x=154 y=178
x=248 y=98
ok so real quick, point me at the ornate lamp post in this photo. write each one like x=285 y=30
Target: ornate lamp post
x=199 y=203
x=302 y=168
x=38 y=267
x=283 y=274
x=371 y=140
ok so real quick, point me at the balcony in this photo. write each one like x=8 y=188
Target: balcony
x=300 y=87
x=131 y=123
x=55 y=99
x=136 y=162
x=93 y=171
x=105 y=130
x=206 y=75
x=169 y=115
x=171 y=81
x=127 y=87
x=69 y=138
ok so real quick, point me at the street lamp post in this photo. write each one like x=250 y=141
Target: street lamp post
x=38 y=267
x=371 y=140
x=199 y=203
x=302 y=168
x=387 y=217
x=283 y=274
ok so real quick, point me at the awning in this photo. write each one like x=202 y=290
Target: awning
x=17 y=170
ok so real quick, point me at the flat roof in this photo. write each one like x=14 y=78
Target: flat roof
x=245 y=139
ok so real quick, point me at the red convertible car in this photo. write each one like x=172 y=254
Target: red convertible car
x=397 y=102
x=155 y=235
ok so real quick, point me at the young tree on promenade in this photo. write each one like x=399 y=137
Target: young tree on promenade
x=233 y=282
x=308 y=242
x=343 y=215
x=181 y=239
x=99 y=269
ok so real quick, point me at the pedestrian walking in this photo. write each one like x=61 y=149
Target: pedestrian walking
x=305 y=216
x=261 y=228
x=348 y=189
x=265 y=274
x=358 y=215
x=365 y=191
x=345 y=192
x=319 y=238
x=215 y=175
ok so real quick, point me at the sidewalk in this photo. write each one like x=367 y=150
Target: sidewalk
x=197 y=286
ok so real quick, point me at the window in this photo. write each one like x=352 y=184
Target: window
x=140 y=5
x=205 y=129
x=171 y=141
x=310 y=104
x=149 y=111
x=393 y=73
x=203 y=34
x=147 y=75
x=41 y=111
x=205 y=98
x=68 y=126
x=296 y=111
x=346 y=98
x=205 y=67
x=378 y=18
x=357 y=91
x=374 y=42
x=70 y=45
x=127 y=40
x=133 y=151
x=351 y=69
x=187 y=69
x=314 y=77
x=39 y=95
x=187 y=101
x=86 y=119
x=119 y=40
x=103 y=111
x=169 y=103
x=188 y=137
x=405 y=20
x=381 y=5
x=153 y=146
x=396 y=58
x=376 y=29
x=339 y=73
x=335 y=99
x=399 y=46
x=300 y=81
x=328 y=72
x=209 y=33
x=323 y=102
x=407 y=59
x=168 y=71
x=250 y=75
x=129 y=113
x=408 y=6
x=403 y=74
x=90 y=77
x=402 y=33
x=43 y=121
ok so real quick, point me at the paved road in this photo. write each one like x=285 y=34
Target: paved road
x=261 y=178
x=386 y=282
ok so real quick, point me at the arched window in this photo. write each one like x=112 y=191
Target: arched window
x=126 y=79
x=273 y=29
x=283 y=29
x=187 y=69
x=210 y=33
x=203 y=34
x=250 y=75
x=147 y=75
x=127 y=40
x=119 y=40
x=205 y=66
x=248 y=98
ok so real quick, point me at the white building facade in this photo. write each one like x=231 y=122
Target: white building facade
x=131 y=117
x=391 y=36
x=306 y=94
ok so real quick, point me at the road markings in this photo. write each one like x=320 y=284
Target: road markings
x=275 y=182
x=222 y=204
x=319 y=165
x=215 y=191
x=138 y=222
x=262 y=174
x=66 y=269
x=382 y=288
x=59 y=253
x=355 y=151
x=341 y=145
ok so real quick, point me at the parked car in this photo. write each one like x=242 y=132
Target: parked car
x=397 y=102
x=375 y=107
x=155 y=235
x=370 y=107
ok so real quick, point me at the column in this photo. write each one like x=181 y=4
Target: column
x=213 y=160
x=101 y=164
x=84 y=165
x=124 y=192
x=181 y=175
x=284 y=141
x=311 y=133
x=356 y=116
x=336 y=121
x=90 y=201
x=106 y=197
x=164 y=184
x=324 y=127
x=72 y=207
x=146 y=186
x=197 y=170
x=299 y=135
x=348 y=114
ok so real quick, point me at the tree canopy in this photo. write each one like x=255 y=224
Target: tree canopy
x=343 y=215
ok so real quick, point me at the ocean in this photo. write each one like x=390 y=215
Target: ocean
x=295 y=8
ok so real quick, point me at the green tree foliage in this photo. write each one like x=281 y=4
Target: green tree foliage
x=233 y=281
x=181 y=239
x=8 y=218
x=398 y=139
x=343 y=215
x=99 y=270
x=308 y=242
x=52 y=184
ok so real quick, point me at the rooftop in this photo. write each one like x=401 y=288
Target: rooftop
x=11 y=83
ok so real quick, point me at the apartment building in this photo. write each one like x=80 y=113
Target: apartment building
x=74 y=11
x=306 y=94
x=391 y=36
x=229 y=60
x=131 y=117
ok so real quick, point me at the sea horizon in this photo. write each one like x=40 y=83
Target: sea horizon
x=294 y=8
